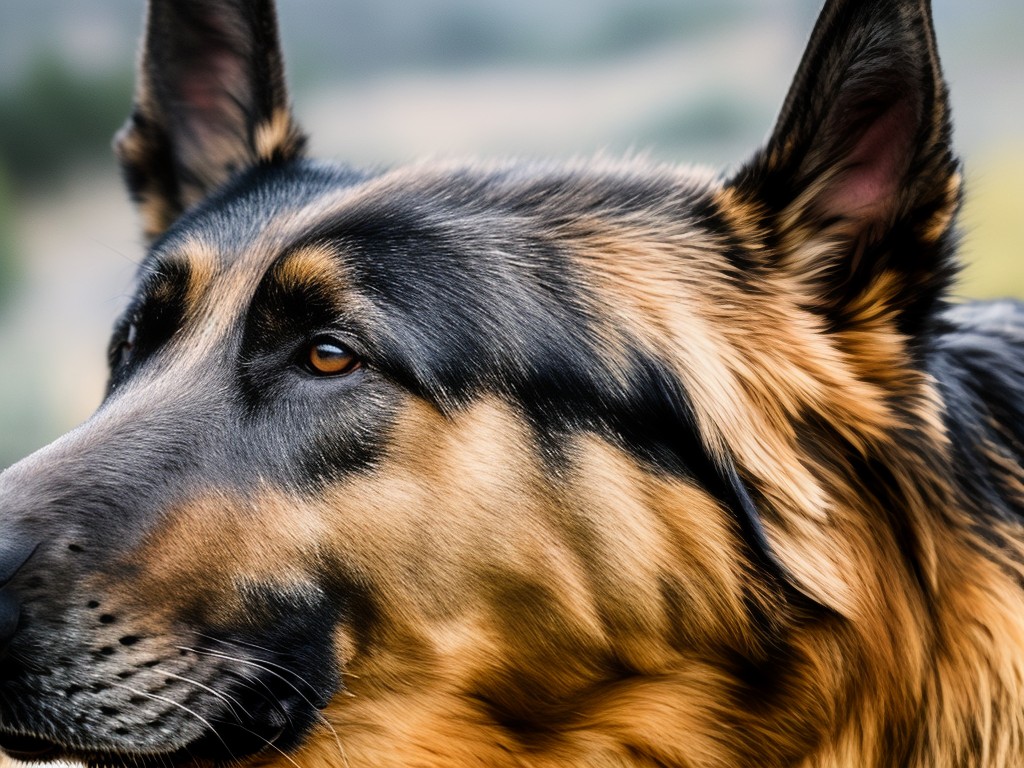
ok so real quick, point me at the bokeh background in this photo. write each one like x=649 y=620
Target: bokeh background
x=383 y=81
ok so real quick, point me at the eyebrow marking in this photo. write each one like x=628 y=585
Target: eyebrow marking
x=315 y=268
x=208 y=288
x=202 y=266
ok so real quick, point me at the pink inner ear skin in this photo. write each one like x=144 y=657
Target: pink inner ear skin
x=216 y=87
x=866 y=190
x=214 y=104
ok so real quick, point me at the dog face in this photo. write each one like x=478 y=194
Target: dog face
x=499 y=464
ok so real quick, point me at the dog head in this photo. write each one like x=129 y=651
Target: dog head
x=487 y=463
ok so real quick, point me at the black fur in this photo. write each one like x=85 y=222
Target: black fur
x=449 y=288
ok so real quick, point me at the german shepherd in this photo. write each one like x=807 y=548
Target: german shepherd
x=528 y=465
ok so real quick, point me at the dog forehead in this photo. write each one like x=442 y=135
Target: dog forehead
x=271 y=209
x=440 y=240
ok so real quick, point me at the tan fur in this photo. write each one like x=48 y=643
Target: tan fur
x=814 y=590
x=418 y=699
x=278 y=136
x=635 y=583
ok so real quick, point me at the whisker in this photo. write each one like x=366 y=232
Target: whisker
x=232 y=643
x=207 y=723
x=264 y=664
x=228 y=700
x=182 y=707
x=249 y=680
x=260 y=666
x=337 y=738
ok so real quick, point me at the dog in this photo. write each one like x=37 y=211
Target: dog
x=534 y=465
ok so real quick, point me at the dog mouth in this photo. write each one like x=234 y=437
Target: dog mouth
x=226 y=745
x=29 y=748
x=233 y=716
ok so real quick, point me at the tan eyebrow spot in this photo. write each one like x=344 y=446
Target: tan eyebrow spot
x=202 y=264
x=313 y=267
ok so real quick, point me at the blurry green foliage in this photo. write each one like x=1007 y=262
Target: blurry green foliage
x=7 y=261
x=56 y=115
x=634 y=27
x=26 y=412
x=993 y=225
x=703 y=128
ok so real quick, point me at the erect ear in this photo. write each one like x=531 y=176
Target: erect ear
x=857 y=188
x=210 y=102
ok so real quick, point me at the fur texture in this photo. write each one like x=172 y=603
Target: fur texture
x=527 y=465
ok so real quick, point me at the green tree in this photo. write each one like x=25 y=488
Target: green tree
x=56 y=116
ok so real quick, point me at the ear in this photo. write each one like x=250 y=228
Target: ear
x=210 y=102
x=857 y=189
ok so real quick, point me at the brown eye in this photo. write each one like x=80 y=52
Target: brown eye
x=328 y=357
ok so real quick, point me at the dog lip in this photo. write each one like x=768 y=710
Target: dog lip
x=230 y=742
x=36 y=750
x=29 y=748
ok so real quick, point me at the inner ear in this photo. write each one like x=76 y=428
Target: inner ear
x=866 y=186
x=208 y=79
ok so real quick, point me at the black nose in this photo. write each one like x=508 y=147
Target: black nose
x=12 y=557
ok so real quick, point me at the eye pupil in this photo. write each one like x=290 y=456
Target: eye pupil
x=328 y=357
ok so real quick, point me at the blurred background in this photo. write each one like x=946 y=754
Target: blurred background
x=383 y=81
